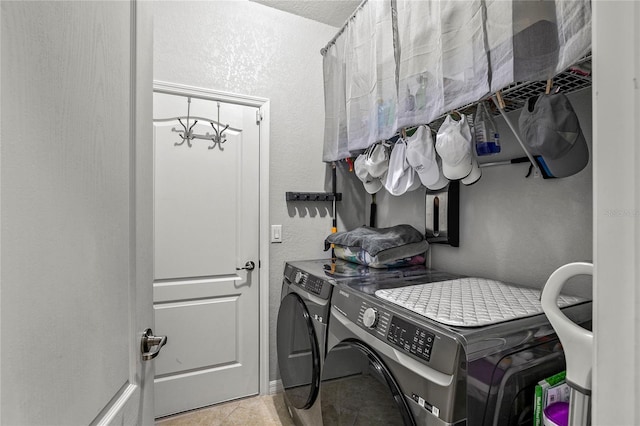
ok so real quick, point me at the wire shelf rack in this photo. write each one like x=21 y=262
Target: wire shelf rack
x=576 y=77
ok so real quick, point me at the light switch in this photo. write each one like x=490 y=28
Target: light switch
x=276 y=233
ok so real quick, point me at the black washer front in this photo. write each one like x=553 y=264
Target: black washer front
x=298 y=353
x=366 y=395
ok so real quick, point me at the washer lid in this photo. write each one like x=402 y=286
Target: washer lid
x=471 y=302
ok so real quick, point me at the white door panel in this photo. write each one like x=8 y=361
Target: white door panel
x=616 y=210
x=204 y=334
x=206 y=227
x=196 y=229
x=76 y=235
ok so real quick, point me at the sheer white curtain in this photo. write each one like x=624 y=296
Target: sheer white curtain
x=443 y=60
x=574 y=31
x=371 y=95
x=465 y=68
x=449 y=53
x=420 y=80
x=335 y=114
x=535 y=40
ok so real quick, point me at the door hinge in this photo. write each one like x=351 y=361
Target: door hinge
x=258 y=116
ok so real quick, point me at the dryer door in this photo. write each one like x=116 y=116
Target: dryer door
x=298 y=353
x=363 y=394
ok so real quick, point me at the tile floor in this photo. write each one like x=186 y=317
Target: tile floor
x=268 y=410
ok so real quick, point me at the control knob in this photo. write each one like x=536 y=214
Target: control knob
x=370 y=318
x=298 y=277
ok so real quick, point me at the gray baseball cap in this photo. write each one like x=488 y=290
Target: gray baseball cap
x=551 y=130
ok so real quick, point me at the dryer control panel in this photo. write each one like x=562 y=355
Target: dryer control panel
x=308 y=282
x=413 y=339
x=405 y=335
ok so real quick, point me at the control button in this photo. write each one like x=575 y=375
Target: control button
x=370 y=317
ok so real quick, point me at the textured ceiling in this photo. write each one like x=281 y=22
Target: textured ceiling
x=331 y=12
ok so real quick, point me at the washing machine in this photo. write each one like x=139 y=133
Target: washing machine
x=302 y=326
x=408 y=368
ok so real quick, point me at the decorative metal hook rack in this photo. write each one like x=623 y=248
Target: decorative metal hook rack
x=219 y=137
x=187 y=134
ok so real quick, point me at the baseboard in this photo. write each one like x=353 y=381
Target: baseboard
x=275 y=386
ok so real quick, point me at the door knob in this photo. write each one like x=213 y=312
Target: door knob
x=249 y=266
x=151 y=345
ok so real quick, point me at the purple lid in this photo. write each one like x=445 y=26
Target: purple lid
x=558 y=413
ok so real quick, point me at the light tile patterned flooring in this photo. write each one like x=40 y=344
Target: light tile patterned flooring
x=267 y=410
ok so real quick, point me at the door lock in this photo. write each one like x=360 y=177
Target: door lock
x=150 y=345
x=249 y=266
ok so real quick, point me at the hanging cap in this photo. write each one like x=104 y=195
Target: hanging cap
x=453 y=144
x=401 y=177
x=442 y=180
x=475 y=173
x=371 y=184
x=377 y=160
x=551 y=130
x=421 y=155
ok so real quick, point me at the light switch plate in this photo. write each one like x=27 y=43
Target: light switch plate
x=276 y=233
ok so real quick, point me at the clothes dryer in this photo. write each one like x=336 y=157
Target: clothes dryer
x=414 y=370
x=301 y=332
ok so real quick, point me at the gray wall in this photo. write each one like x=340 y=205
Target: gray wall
x=513 y=228
x=244 y=47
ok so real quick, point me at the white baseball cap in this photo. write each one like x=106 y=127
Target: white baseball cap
x=421 y=155
x=371 y=184
x=401 y=176
x=442 y=180
x=453 y=144
x=377 y=160
x=475 y=173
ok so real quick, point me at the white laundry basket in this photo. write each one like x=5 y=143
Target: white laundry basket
x=576 y=341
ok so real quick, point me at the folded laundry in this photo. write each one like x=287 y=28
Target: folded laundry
x=375 y=240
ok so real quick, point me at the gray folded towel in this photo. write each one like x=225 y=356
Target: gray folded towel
x=375 y=240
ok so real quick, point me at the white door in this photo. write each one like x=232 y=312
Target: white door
x=616 y=213
x=206 y=227
x=76 y=206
